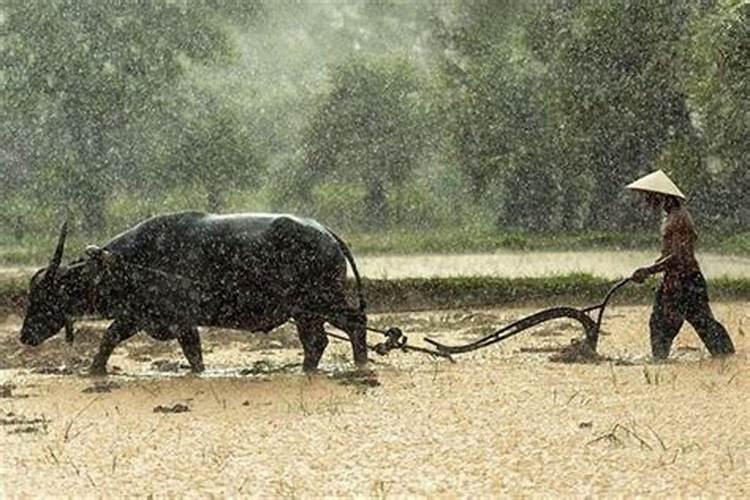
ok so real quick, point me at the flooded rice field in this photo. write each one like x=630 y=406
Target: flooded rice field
x=503 y=420
x=607 y=264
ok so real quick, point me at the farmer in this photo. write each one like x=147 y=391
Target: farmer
x=683 y=294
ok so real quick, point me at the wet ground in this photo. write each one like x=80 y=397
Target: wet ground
x=607 y=264
x=504 y=420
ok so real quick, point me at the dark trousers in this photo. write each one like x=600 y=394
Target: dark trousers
x=687 y=301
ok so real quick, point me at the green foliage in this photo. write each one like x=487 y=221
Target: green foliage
x=487 y=238
x=738 y=243
x=413 y=207
x=368 y=129
x=718 y=80
x=613 y=68
x=481 y=89
x=214 y=152
x=339 y=204
x=84 y=72
x=417 y=116
x=124 y=210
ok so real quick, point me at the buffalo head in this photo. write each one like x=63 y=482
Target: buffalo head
x=48 y=300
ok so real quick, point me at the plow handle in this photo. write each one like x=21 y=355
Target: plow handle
x=590 y=326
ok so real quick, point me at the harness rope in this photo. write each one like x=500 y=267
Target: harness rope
x=394 y=337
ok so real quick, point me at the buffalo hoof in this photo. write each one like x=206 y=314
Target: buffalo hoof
x=311 y=370
x=98 y=370
x=197 y=368
x=364 y=371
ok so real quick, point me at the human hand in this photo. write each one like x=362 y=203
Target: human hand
x=640 y=275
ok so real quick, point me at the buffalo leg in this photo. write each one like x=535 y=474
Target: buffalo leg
x=190 y=342
x=314 y=341
x=354 y=323
x=116 y=333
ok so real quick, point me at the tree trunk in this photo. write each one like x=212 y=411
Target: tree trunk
x=376 y=203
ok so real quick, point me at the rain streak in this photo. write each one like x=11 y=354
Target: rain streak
x=374 y=248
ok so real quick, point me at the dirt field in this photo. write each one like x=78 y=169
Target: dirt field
x=607 y=264
x=505 y=420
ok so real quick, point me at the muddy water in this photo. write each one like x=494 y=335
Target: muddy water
x=612 y=264
x=608 y=264
x=504 y=420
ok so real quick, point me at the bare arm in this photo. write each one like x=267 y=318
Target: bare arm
x=661 y=265
x=676 y=248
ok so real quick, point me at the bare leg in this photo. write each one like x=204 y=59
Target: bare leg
x=713 y=334
x=663 y=332
x=665 y=323
x=190 y=342
x=116 y=333
x=698 y=313
x=314 y=341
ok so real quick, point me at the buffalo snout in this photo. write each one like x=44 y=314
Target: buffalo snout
x=33 y=335
x=30 y=340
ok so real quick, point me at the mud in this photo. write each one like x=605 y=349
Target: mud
x=501 y=421
x=611 y=264
x=607 y=264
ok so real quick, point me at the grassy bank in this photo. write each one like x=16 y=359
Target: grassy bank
x=572 y=289
x=395 y=295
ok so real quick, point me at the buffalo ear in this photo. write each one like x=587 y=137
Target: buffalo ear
x=93 y=251
x=96 y=263
x=99 y=254
x=101 y=262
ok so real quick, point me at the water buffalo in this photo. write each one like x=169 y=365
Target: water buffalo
x=172 y=273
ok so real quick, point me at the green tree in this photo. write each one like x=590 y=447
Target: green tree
x=285 y=64
x=476 y=37
x=92 y=69
x=214 y=152
x=617 y=95
x=368 y=130
x=718 y=82
x=503 y=135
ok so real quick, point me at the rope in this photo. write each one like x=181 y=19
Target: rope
x=383 y=348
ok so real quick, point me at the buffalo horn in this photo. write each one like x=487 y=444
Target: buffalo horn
x=57 y=257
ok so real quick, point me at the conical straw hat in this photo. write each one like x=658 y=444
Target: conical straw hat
x=656 y=182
